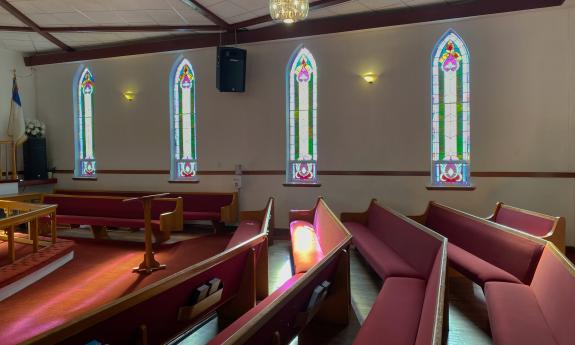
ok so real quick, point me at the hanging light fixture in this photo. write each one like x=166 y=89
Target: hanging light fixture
x=289 y=11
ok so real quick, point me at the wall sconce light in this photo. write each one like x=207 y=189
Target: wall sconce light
x=129 y=95
x=369 y=77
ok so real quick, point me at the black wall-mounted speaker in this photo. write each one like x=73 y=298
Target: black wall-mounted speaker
x=231 y=69
x=35 y=162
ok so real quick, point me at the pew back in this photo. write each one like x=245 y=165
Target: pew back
x=153 y=314
x=513 y=251
x=537 y=224
x=422 y=249
x=403 y=235
x=107 y=206
x=280 y=317
x=225 y=204
x=554 y=287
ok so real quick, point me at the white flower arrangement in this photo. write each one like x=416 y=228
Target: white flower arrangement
x=35 y=128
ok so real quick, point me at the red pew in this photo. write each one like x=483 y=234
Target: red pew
x=215 y=207
x=157 y=312
x=411 y=259
x=538 y=313
x=482 y=250
x=284 y=313
x=537 y=224
x=528 y=283
x=101 y=212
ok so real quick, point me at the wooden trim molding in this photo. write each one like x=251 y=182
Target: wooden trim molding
x=396 y=173
x=453 y=189
x=302 y=185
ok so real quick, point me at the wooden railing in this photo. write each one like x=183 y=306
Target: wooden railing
x=15 y=214
x=8 y=160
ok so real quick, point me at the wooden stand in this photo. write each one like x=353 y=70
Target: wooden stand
x=149 y=264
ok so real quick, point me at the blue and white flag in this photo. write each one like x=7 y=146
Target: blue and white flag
x=16 y=125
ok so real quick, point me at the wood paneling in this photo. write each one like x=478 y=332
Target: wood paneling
x=506 y=174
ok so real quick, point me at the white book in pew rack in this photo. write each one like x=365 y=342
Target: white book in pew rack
x=214 y=285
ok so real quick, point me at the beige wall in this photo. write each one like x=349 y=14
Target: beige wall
x=522 y=116
x=10 y=61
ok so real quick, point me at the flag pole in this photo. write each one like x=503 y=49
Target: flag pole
x=13 y=145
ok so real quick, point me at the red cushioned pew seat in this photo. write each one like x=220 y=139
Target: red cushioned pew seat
x=306 y=250
x=540 y=313
x=411 y=260
x=284 y=313
x=394 y=317
x=382 y=259
x=515 y=316
x=476 y=268
x=500 y=252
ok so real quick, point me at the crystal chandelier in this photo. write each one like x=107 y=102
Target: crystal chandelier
x=289 y=11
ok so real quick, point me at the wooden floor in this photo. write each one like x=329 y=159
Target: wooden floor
x=468 y=321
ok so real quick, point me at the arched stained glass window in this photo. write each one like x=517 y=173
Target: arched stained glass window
x=84 y=125
x=183 y=121
x=301 y=75
x=450 y=153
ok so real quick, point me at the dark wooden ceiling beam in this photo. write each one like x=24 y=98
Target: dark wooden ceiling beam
x=316 y=5
x=24 y=19
x=135 y=28
x=370 y=20
x=204 y=11
x=15 y=28
x=138 y=28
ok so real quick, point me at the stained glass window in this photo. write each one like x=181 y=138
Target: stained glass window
x=450 y=154
x=302 y=118
x=183 y=122
x=84 y=120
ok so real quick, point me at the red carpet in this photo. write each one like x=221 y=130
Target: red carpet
x=100 y=272
x=21 y=251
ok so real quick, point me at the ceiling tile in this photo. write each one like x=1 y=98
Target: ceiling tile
x=226 y=10
x=208 y=3
x=127 y=5
x=22 y=36
x=136 y=17
x=251 y=5
x=19 y=46
x=46 y=19
x=321 y=13
x=414 y=3
x=50 y=6
x=166 y=17
x=382 y=4
x=27 y=7
x=8 y=19
x=73 y=18
x=249 y=15
x=105 y=18
x=87 y=5
x=348 y=8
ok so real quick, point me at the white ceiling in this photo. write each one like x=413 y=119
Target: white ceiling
x=63 y=13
